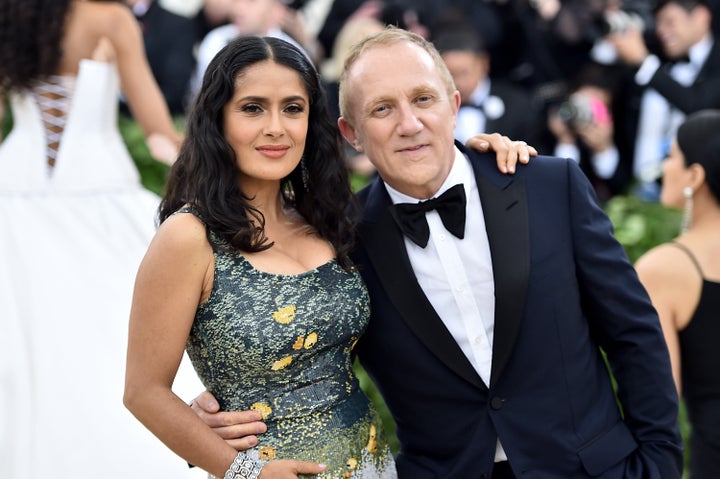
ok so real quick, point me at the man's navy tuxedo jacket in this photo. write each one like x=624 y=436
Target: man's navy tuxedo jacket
x=564 y=289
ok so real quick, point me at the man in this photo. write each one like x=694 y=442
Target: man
x=485 y=104
x=689 y=81
x=169 y=41
x=485 y=341
x=248 y=17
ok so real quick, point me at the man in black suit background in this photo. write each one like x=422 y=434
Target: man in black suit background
x=169 y=41
x=486 y=103
x=682 y=79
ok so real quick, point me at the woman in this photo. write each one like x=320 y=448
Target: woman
x=683 y=280
x=250 y=269
x=75 y=224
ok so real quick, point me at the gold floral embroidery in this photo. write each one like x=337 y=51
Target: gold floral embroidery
x=298 y=344
x=284 y=315
x=311 y=340
x=262 y=408
x=266 y=453
x=351 y=464
x=372 y=443
x=282 y=363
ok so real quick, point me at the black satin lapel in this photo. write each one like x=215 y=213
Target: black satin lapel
x=506 y=221
x=386 y=249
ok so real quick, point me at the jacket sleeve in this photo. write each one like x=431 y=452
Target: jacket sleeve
x=626 y=326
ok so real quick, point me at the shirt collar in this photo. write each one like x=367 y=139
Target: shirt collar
x=461 y=172
x=699 y=52
x=480 y=93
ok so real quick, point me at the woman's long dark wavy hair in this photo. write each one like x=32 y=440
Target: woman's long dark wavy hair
x=206 y=172
x=31 y=33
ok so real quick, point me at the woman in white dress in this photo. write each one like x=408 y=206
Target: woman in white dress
x=74 y=225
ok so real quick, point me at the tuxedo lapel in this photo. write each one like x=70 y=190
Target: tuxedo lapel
x=505 y=209
x=385 y=247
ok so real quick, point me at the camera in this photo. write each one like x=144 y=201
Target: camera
x=620 y=21
x=582 y=110
x=635 y=14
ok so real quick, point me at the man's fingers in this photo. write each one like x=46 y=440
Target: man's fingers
x=242 y=444
x=240 y=431
x=205 y=402
x=229 y=418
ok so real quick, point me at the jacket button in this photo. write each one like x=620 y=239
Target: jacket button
x=496 y=403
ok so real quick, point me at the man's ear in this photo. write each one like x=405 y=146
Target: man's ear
x=348 y=132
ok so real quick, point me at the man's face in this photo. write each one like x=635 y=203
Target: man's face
x=678 y=30
x=401 y=115
x=468 y=69
x=254 y=17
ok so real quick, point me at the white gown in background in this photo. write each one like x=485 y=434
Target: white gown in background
x=71 y=239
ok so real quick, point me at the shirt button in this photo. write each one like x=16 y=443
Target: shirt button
x=478 y=340
x=442 y=237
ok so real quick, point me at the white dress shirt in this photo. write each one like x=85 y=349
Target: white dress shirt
x=457 y=276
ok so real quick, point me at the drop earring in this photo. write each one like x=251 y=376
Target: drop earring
x=688 y=210
x=304 y=173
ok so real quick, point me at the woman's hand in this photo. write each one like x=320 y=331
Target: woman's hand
x=289 y=469
x=507 y=151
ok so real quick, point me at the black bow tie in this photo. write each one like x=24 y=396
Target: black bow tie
x=682 y=59
x=410 y=217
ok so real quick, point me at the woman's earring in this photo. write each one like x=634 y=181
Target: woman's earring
x=304 y=173
x=688 y=211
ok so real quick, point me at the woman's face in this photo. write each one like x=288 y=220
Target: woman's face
x=676 y=176
x=266 y=121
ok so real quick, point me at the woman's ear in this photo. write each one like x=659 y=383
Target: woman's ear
x=697 y=176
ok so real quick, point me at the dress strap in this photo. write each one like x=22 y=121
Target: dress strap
x=53 y=98
x=690 y=255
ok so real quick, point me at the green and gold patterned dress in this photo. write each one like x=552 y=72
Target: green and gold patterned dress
x=281 y=345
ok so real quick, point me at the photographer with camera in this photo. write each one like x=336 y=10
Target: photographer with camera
x=682 y=79
x=584 y=129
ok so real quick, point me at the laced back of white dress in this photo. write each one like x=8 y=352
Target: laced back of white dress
x=53 y=98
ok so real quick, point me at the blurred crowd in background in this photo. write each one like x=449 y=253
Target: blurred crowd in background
x=605 y=82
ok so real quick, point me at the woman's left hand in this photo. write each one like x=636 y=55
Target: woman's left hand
x=507 y=151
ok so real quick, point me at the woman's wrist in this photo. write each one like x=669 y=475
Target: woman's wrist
x=243 y=467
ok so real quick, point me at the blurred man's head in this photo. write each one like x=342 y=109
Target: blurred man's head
x=256 y=17
x=680 y=24
x=467 y=60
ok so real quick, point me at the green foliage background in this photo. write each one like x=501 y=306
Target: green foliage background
x=639 y=226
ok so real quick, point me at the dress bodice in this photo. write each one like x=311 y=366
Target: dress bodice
x=281 y=344
x=90 y=155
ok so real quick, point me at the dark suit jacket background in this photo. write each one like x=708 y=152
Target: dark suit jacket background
x=522 y=119
x=703 y=93
x=169 y=42
x=563 y=287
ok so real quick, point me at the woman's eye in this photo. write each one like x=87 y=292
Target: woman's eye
x=294 y=108
x=252 y=108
